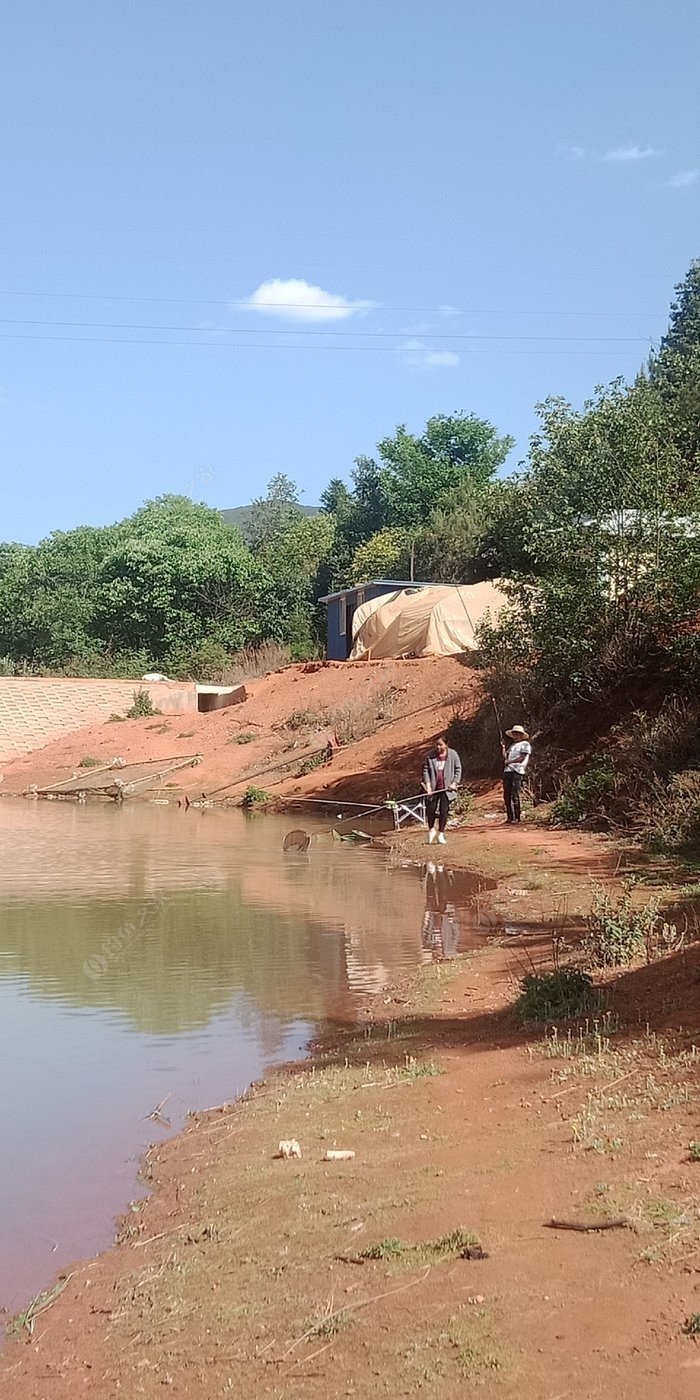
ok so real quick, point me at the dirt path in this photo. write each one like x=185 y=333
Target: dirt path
x=243 y=1272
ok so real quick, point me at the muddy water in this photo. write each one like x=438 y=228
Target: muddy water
x=150 y=955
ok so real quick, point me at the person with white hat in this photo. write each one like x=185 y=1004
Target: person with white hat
x=517 y=757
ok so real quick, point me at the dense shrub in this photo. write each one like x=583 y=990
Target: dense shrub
x=587 y=797
x=555 y=996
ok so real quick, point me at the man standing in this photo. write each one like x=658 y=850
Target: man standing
x=442 y=774
x=517 y=757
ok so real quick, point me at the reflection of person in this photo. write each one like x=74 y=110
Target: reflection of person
x=517 y=757
x=440 y=931
x=442 y=774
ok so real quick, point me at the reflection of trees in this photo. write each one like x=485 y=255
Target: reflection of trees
x=217 y=911
x=196 y=950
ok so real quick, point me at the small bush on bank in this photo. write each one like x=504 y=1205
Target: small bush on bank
x=555 y=996
x=255 y=797
x=671 y=814
x=587 y=797
x=143 y=707
x=617 y=932
x=462 y=805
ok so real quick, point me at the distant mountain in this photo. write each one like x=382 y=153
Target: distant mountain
x=240 y=515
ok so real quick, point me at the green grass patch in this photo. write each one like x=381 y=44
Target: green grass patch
x=427 y=1252
x=88 y=762
x=446 y=1246
x=691 y=1326
x=385 y=1249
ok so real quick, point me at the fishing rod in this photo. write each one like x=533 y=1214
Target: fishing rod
x=501 y=734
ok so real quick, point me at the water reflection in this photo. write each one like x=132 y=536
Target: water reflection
x=147 y=952
x=440 y=927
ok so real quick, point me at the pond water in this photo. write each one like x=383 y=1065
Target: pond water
x=150 y=954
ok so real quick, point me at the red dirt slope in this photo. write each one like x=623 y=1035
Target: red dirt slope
x=288 y=715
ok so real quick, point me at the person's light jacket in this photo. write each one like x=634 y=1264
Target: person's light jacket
x=453 y=773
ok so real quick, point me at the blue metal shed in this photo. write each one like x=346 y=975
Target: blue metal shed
x=341 y=610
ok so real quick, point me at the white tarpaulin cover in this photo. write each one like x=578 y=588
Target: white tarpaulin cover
x=436 y=621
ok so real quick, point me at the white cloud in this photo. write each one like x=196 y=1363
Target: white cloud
x=420 y=356
x=683 y=178
x=618 y=155
x=624 y=154
x=297 y=300
x=572 y=152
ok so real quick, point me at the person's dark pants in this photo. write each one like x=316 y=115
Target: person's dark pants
x=437 y=805
x=512 y=783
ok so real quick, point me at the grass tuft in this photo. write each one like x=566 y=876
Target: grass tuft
x=384 y=1249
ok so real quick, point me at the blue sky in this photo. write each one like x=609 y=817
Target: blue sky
x=438 y=170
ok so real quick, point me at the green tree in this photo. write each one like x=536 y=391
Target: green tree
x=388 y=554
x=177 y=575
x=274 y=513
x=419 y=474
x=674 y=371
x=48 y=598
x=296 y=563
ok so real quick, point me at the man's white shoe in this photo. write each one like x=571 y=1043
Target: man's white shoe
x=431 y=835
x=441 y=838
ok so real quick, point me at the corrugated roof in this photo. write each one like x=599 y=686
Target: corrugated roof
x=379 y=583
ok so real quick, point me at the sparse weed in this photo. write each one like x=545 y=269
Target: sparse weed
x=329 y=1323
x=592 y=1039
x=88 y=762
x=694 y=1151
x=691 y=1326
x=315 y=760
x=414 y=1069
x=668 y=1216
x=241 y=739
x=304 y=719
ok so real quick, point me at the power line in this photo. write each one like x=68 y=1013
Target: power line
x=232 y=303
x=383 y=335
x=266 y=345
